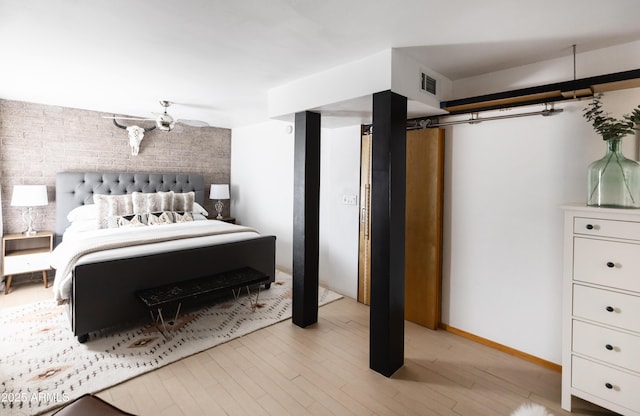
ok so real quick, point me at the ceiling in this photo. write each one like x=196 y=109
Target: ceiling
x=217 y=59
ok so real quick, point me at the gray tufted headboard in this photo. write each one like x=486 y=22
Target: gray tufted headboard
x=74 y=189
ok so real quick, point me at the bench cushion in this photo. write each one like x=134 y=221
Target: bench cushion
x=179 y=291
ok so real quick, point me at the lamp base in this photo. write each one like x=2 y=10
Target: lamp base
x=219 y=207
x=29 y=216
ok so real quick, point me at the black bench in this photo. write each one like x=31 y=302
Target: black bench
x=175 y=293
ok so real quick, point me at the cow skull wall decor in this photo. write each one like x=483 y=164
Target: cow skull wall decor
x=136 y=134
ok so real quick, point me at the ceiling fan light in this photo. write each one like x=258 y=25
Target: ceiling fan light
x=165 y=122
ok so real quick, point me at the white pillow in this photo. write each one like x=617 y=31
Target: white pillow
x=83 y=212
x=82 y=225
x=199 y=209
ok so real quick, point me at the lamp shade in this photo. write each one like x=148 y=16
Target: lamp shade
x=219 y=191
x=29 y=196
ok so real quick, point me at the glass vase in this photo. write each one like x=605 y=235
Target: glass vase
x=614 y=180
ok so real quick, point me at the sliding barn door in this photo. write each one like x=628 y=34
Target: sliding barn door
x=364 y=263
x=423 y=234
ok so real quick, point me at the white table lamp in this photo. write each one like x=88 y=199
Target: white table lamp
x=219 y=192
x=29 y=196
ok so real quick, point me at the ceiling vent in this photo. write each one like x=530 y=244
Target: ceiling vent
x=427 y=83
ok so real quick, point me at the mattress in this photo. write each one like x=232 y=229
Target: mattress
x=108 y=244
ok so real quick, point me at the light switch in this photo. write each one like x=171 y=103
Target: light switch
x=350 y=199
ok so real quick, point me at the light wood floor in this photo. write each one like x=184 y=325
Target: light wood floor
x=324 y=370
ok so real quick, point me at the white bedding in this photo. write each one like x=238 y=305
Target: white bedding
x=112 y=243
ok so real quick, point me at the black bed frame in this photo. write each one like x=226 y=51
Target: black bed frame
x=104 y=292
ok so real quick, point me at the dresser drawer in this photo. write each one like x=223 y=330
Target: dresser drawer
x=606 y=383
x=607 y=263
x=606 y=344
x=26 y=263
x=607 y=307
x=607 y=228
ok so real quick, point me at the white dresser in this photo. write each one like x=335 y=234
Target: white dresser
x=601 y=308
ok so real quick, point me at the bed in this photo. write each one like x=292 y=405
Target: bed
x=100 y=282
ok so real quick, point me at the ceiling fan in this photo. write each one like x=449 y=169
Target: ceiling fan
x=164 y=121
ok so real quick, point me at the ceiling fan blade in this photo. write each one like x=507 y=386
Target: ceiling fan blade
x=129 y=118
x=193 y=123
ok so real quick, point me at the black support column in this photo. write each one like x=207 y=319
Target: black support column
x=388 y=183
x=306 y=218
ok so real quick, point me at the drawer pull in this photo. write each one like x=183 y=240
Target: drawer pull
x=610 y=264
x=589 y=227
x=609 y=347
x=608 y=385
x=609 y=308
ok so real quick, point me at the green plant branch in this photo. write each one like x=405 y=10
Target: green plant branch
x=607 y=126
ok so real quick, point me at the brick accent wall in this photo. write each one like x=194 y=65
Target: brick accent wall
x=37 y=141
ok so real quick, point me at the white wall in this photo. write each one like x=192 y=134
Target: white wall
x=339 y=176
x=262 y=183
x=262 y=195
x=505 y=183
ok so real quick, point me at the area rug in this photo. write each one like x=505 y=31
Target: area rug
x=42 y=366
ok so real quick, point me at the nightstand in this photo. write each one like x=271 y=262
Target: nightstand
x=230 y=220
x=25 y=254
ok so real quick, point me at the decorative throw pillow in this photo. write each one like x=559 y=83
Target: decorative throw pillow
x=183 y=201
x=112 y=206
x=182 y=217
x=159 y=218
x=134 y=220
x=152 y=202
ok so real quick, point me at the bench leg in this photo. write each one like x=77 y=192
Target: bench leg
x=160 y=318
x=253 y=304
x=177 y=312
x=155 y=320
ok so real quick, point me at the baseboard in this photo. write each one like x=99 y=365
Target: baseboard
x=503 y=348
x=284 y=270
